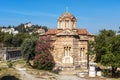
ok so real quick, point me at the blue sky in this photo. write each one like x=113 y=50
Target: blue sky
x=93 y=15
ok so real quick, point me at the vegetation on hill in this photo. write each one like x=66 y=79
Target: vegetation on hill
x=33 y=28
x=10 y=40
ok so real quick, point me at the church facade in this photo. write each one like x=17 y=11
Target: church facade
x=70 y=43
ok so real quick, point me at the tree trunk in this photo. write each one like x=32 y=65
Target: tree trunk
x=113 y=71
x=27 y=62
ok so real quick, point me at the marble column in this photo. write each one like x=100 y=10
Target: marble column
x=74 y=25
x=65 y=51
x=69 y=24
x=68 y=52
x=64 y=24
x=58 y=25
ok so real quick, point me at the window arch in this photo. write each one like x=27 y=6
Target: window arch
x=82 y=52
x=67 y=51
x=66 y=23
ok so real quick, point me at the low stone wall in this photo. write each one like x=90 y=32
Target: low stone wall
x=10 y=53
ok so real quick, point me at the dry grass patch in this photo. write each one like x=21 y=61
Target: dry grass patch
x=41 y=74
x=8 y=72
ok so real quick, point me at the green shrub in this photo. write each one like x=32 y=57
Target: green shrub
x=107 y=73
x=9 y=64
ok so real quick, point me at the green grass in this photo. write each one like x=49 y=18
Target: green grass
x=114 y=78
x=22 y=62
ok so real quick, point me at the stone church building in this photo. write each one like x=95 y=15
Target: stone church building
x=70 y=43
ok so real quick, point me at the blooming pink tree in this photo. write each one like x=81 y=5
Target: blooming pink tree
x=43 y=58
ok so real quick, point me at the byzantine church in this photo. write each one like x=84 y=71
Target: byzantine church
x=70 y=43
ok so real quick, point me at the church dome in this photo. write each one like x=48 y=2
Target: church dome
x=67 y=15
x=67 y=21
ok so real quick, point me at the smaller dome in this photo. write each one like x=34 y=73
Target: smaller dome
x=67 y=21
x=66 y=15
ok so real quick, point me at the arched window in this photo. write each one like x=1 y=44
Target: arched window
x=66 y=24
x=82 y=52
x=67 y=58
x=67 y=51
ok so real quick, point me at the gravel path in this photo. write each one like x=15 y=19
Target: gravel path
x=25 y=76
x=69 y=77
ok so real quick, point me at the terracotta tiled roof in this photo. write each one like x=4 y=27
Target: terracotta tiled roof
x=51 y=32
x=54 y=31
x=82 y=31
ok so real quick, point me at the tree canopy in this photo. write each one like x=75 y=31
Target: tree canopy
x=28 y=48
x=102 y=43
x=107 y=48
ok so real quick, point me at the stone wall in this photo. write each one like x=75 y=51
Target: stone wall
x=68 y=50
x=10 y=53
